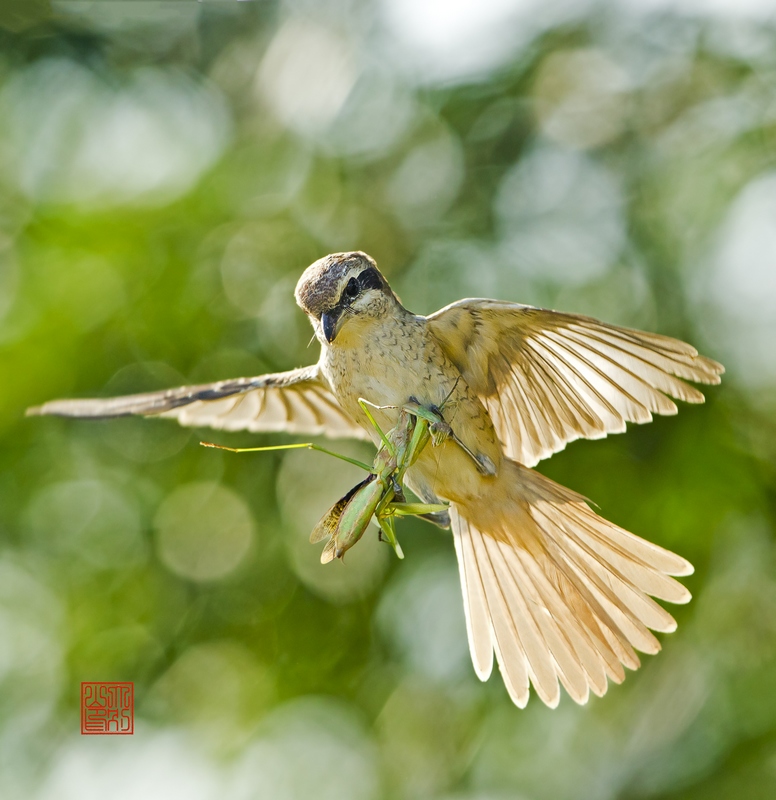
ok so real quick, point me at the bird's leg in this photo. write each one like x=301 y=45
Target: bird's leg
x=441 y=431
x=432 y=415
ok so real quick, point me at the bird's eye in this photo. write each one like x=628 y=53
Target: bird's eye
x=352 y=289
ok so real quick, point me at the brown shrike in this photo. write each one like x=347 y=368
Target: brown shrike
x=558 y=593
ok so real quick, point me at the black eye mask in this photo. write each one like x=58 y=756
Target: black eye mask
x=369 y=279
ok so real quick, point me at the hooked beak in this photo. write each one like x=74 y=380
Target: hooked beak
x=329 y=321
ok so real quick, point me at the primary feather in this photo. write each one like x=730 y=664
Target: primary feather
x=298 y=401
x=548 y=378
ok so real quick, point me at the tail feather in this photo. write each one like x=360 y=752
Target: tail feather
x=634 y=570
x=585 y=620
x=567 y=662
x=619 y=540
x=562 y=596
x=579 y=638
x=475 y=608
x=513 y=620
x=513 y=652
x=615 y=587
x=589 y=603
x=602 y=583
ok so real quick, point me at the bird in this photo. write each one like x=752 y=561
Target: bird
x=558 y=595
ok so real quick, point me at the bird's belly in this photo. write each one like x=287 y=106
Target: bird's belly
x=448 y=473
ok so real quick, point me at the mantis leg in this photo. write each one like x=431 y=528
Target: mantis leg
x=389 y=532
x=300 y=446
x=385 y=440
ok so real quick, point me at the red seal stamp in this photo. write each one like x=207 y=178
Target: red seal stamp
x=107 y=707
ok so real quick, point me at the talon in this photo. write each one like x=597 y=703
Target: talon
x=485 y=465
x=438 y=518
x=440 y=431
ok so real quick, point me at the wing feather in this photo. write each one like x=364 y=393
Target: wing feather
x=299 y=401
x=548 y=378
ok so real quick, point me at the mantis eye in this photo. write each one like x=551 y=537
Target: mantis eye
x=352 y=289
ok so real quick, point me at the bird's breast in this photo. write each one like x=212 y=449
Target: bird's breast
x=386 y=364
x=389 y=364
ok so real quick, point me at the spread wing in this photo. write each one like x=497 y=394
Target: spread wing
x=299 y=401
x=548 y=378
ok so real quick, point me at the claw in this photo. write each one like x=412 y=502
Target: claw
x=441 y=430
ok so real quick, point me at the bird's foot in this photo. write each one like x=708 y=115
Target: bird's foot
x=441 y=431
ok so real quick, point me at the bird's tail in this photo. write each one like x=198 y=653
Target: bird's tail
x=557 y=592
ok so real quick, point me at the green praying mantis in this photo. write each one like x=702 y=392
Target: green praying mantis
x=380 y=494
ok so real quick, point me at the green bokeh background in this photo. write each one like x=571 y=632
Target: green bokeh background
x=167 y=169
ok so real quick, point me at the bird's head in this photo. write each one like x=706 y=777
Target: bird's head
x=342 y=289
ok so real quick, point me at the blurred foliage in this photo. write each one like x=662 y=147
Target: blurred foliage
x=167 y=169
